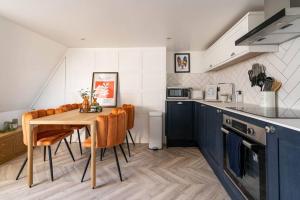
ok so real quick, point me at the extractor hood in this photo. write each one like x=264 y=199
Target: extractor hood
x=280 y=27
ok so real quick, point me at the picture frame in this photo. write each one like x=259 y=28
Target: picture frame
x=105 y=88
x=182 y=62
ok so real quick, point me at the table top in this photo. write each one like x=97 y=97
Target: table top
x=71 y=117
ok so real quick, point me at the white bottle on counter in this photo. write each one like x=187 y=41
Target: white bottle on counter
x=239 y=97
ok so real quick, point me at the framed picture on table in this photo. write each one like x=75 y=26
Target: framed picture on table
x=182 y=62
x=105 y=88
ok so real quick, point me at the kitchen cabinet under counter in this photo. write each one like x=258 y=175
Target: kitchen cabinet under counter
x=179 y=123
x=283 y=164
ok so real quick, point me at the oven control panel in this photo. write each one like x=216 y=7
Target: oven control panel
x=247 y=129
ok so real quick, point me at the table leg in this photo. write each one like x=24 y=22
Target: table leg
x=93 y=154
x=30 y=155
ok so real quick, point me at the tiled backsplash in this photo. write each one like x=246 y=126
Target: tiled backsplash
x=283 y=65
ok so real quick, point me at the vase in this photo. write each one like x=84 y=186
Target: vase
x=85 y=104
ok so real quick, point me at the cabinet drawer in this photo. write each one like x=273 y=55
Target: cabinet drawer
x=6 y=149
x=19 y=146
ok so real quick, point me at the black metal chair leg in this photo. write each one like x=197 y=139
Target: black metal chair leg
x=50 y=162
x=79 y=141
x=104 y=150
x=86 y=166
x=57 y=148
x=123 y=152
x=44 y=153
x=101 y=154
x=22 y=167
x=66 y=142
x=88 y=131
x=128 y=146
x=70 y=139
x=131 y=137
x=118 y=165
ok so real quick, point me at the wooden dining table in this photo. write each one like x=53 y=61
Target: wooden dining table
x=73 y=117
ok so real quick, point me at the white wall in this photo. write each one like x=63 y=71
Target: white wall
x=142 y=80
x=26 y=59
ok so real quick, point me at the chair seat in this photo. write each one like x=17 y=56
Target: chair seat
x=47 y=138
x=88 y=142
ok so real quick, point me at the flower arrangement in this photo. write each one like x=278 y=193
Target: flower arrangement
x=85 y=93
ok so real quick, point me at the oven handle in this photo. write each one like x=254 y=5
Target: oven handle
x=245 y=143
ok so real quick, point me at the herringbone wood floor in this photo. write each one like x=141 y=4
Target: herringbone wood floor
x=173 y=173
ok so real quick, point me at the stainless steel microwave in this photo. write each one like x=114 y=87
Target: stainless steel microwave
x=179 y=93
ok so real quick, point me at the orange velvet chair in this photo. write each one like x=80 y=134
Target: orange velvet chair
x=111 y=132
x=66 y=108
x=130 y=111
x=44 y=135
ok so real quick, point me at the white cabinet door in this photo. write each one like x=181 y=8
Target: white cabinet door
x=224 y=50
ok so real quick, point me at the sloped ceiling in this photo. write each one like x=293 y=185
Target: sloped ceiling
x=192 y=24
x=26 y=61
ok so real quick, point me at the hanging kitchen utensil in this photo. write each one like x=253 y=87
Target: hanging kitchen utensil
x=276 y=85
x=251 y=78
x=268 y=84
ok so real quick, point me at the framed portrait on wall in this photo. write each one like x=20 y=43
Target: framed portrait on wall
x=105 y=88
x=182 y=62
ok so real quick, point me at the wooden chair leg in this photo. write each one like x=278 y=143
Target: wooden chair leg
x=86 y=166
x=79 y=141
x=22 y=167
x=44 y=153
x=50 y=162
x=123 y=152
x=118 y=165
x=57 y=148
x=131 y=138
x=128 y=146
x=66 y=142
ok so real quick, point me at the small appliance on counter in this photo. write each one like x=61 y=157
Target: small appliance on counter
x=211 y=93
x=179 y=92
x=225 y=93
x=197 y=94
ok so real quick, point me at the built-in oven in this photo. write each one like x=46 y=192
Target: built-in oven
x=244 y=156
x=179 y=93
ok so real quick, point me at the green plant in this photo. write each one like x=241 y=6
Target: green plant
x=85 y=93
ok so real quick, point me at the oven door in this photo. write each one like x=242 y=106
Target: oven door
x=252 y=183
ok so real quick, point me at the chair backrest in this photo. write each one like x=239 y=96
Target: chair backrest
x=66 y=107
x=26 y=117
x=111 y=129
x=130 y=111
x=75 y=106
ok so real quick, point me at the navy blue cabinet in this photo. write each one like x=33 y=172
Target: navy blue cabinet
x=202 y=127
x=289 y=164
x=283 y=164
x=200 y=124
x=179 y=123
x=214 y=143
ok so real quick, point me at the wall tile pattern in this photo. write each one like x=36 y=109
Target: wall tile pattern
x=283 y=65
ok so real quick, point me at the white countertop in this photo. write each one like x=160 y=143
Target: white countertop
x=287 y=123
